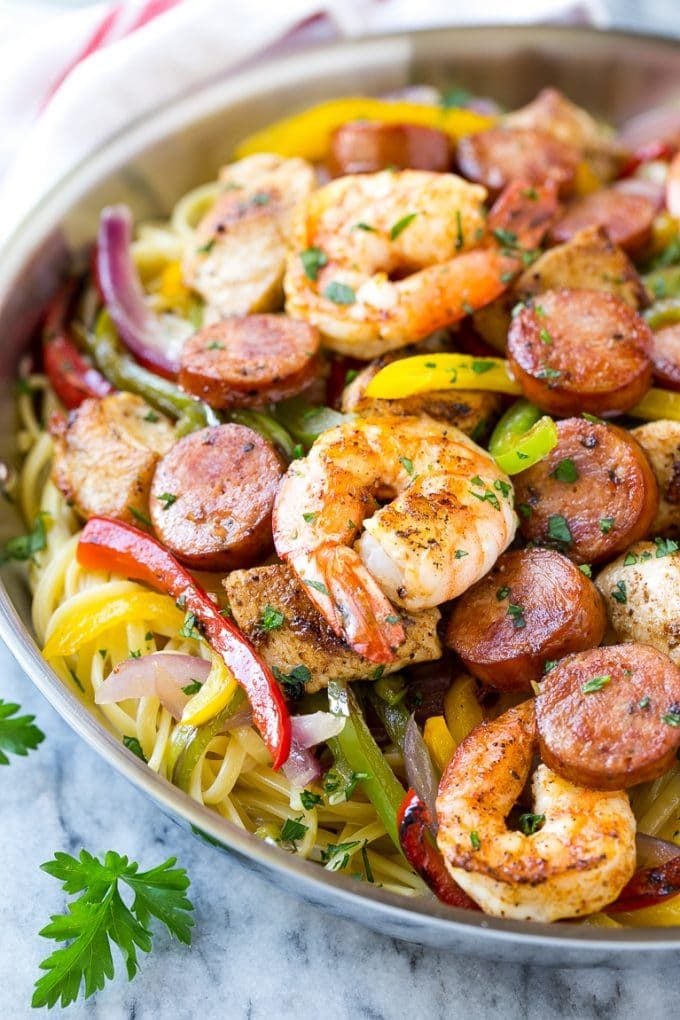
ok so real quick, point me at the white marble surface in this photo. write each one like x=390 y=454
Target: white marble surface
x=257 y=953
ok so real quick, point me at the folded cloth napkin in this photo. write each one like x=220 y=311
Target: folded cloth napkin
x=72 y=78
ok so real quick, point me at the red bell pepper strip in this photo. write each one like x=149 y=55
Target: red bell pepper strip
x=413 y=821
x=645 y=154
x=107 y=544
x=72 y=377
x=649 y=887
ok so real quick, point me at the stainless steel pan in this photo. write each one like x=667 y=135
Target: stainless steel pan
x=150 y=164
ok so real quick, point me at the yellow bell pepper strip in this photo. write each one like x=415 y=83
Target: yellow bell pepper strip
x=461 y=708
x=522 y=438
x=87 y=615
x=357 y=745
x=217 y=691
x=425 y=373
x=440 y=743
x=308 y=134
x=107 y=544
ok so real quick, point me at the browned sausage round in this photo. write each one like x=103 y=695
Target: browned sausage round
x=580 y=350
x=497 y=157
x=364 y=147
x=592 y=496
x=627 y=218
x=212 y=497
x=249 y=360
x=534 y=606
x=610 y=718
x=666 y=356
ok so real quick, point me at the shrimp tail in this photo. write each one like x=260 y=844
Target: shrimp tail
x=355 y=606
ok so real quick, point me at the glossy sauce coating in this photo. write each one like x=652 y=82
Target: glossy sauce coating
x=580 y=350
x=250 y=360
x=592 y=496
x=497 y=157
x=212 y=497
x=608 y=718
x=627 y=218
x=534 y=606
x=365 y=147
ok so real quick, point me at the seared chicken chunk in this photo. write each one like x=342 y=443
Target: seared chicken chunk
x=303 y=637
x=106 y=453
x=237 y=255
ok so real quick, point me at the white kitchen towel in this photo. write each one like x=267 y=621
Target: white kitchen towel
x=70 y=79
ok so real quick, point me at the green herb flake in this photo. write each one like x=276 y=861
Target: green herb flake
x=340 y=293
x=549 y=665
x=407 y=465
x=192 y=688
x=152 y=417
x=460 y=239
x=455 y=97
x=548 y=373
x=397 y=228
x=135 y=653
x=337 y=854
x=475 y=841
x=558 y=529
x=596 y=683
x=312 y=260
x=644 y=702
x=365 y=227
x=665 y=547
x=310 y=517
x=139 y=516
x=517 y=614
x=167 y=499
x=672 y=717
x=529 y=193
x=525 y=510
x=507 y=238
x=565 y=471
x=24 y=547
x=317 y=585
x=502 y=593
x=503 y=487
x=204 y=249
x=481 y=365
x=260 y=198
x=310 y=800
x=460 y=553
x=134 y=745
x=215 y=345
x=530 y=824
x=292 y=830
x=350 y=375
x=619 y=593
x=188 y=628
x=298 y=451
x=393 y=618
x=103 y=652
x=294 y=682
x=586 y=569
x=378 y=673
x=606 y=524
x=545 y=336
x=368 y=871
x=272 y=619
x=630 y=559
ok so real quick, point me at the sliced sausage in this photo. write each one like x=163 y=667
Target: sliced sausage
x=609 y=718
x=589 y=261
x=666 y=356
x=627 y=218
x=535 y=605
x=580 y=350
x=250 y=360
x=105 y=456
x=362 y=147
x=642 y=594
x=212 y=497
x=593 y=494
x=499 y=156
x=661 y=442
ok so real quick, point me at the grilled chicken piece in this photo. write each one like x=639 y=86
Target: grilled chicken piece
x=237 y=256
x=106 y=453
x=304 y=638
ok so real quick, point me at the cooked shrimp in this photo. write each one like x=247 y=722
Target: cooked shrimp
x=448 y=518
x=236 y=257
x=575 y=864
x=399 y=255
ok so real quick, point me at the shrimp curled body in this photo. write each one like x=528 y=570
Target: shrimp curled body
x=576 y=864
x=448 y=517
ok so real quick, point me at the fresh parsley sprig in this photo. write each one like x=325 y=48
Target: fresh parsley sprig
x=100 y=916
x=18 y=735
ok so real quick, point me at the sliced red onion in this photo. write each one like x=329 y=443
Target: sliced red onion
x=301 y=767
x=154 y=345
x=419 y=768
x=651 y=851
x=316 y=728
x=161 y=673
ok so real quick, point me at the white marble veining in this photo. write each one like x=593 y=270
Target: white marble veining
x=258 y=954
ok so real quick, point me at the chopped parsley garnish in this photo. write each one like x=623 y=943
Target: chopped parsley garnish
x=545 y=336
x=188 y=628
x=517 y=614
x=292 y=830
x=460 y=553
x=215 y=345
x=672 y=717
x=565 y=471
x=317 y=585
x=378 y=672
x=340 y=293
x=207 y=247
x=309 y=518
x=365 y=226
x=558 y=529
x=312 y=260
x=502 y=593
x=139 y=516
x=103 y=652
x=549 y=665
x=407 y=465
x=298 y=451
x=272 y=619
x=505 y=237
x=192 y=688
x=525 y=510
x=619 y=593
x=475 y=841
x=337 y=854
x=454 y=97
x=368 y=871
x=503 y=487
x=665 y=547
x=294 y=682
x=24 y=547
x=481 y=365
x=596 y=683
x=630 y=559
x=530 y=823
x=548 y=373
x=397 y=228
x=606 y=524
x=310 y=800
x=152 y=417
x=586 y=569
x=393 y=618
x=135 y=653
x=134 y=745
x=350 y=375
x=644 y=702
x=460 y=240
x=260 y=198
x=167 y=499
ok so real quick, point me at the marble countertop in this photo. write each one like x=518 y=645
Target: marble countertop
x=257 y=953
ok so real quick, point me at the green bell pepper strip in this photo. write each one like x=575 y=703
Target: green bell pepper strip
x=188 y=743
x=304 y=421
x=126 y=374
x=394 y=718
x=268 y=427
x=663 y=313
x=356 y=743
x=522 y=437
x=663 y=283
